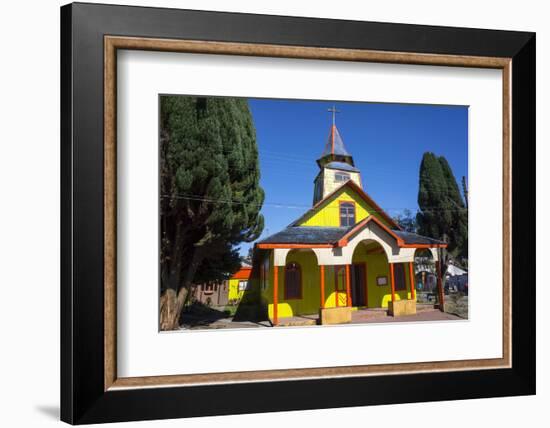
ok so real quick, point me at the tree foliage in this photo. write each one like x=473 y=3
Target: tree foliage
x=210 y=192
x=407 y=221
x=443 y=214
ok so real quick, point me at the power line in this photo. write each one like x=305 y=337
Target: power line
x=200 y=198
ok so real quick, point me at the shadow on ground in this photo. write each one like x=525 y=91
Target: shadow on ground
x=199 y=314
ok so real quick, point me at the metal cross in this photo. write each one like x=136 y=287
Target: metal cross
x=333 y=111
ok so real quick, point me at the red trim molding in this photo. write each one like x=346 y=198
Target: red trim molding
x=291 y=246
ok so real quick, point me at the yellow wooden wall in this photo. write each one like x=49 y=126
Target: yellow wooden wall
x=234 y=293
x=328 y=214
x=377 y=265
x=311 y=291
x=378 y=296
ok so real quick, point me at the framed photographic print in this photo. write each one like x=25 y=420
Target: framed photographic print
x=261 y=206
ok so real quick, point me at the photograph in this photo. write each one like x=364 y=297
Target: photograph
x=294 y=213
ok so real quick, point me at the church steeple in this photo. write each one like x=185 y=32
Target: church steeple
x=336 y=164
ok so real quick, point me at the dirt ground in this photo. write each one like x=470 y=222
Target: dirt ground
x=360 y=316
x=457 y=304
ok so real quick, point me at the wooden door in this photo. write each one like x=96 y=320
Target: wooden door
x=358 y=285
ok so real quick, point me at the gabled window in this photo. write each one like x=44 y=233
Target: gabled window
x=347 y=214
x=341 y=177
x=293 y=281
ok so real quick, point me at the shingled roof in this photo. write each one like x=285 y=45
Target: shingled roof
x=334 y=144
x=341 y=166
x=306 y=235
x=318 y=235
x=414 y=239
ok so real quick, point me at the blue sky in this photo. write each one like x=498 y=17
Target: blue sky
x=387 y=142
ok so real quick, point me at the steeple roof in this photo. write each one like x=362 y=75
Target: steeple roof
x=334 y=150
x=334 y=144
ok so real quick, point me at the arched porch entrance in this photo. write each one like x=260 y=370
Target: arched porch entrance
x=372 y=277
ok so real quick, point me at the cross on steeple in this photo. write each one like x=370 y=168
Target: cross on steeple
x=333 y=111
x=336 y=164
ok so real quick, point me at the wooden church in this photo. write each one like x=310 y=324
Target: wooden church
x=342 y=254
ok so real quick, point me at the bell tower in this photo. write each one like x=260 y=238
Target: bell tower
x=336 y=164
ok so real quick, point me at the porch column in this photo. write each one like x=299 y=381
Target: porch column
x=440 y=287
x=348 y=287
x=411 y=280
x=275 y=295
x=392 y=282
x=322 y=274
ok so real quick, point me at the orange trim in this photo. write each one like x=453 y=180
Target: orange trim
x=400 y=243
x=300 y=283
x=322 y=273
x=340 y=210
x=411 y=281
x=392 y=281
x=242 y=273
x=275 y=295
x=270 y=246
x=363 y=196
x=332 y=148
x=345 y=239
x=348 y=287
x=424 y=246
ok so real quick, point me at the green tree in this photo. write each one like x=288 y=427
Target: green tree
x=407 y=221
x=443 y=214
x=210 y=194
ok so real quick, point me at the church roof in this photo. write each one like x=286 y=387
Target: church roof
x=413 y=238
x=342 y=166
x=340 y=236
x=334 y=144
x=306 y=235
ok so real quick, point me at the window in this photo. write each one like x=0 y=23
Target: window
x=317 y=194
x=243 y=285
x=341 y=177
x=340 y=277
x=293 y=281
x=347 y=213
x=399 y=277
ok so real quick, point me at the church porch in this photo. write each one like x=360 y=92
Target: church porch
x=364 y=266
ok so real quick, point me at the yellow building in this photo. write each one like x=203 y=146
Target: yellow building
x=239 y=283
x=343 y=253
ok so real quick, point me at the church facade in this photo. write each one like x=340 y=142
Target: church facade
x=344 y=253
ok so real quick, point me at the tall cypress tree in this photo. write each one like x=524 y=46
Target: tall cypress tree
x=210 y=193
x=443 y=214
